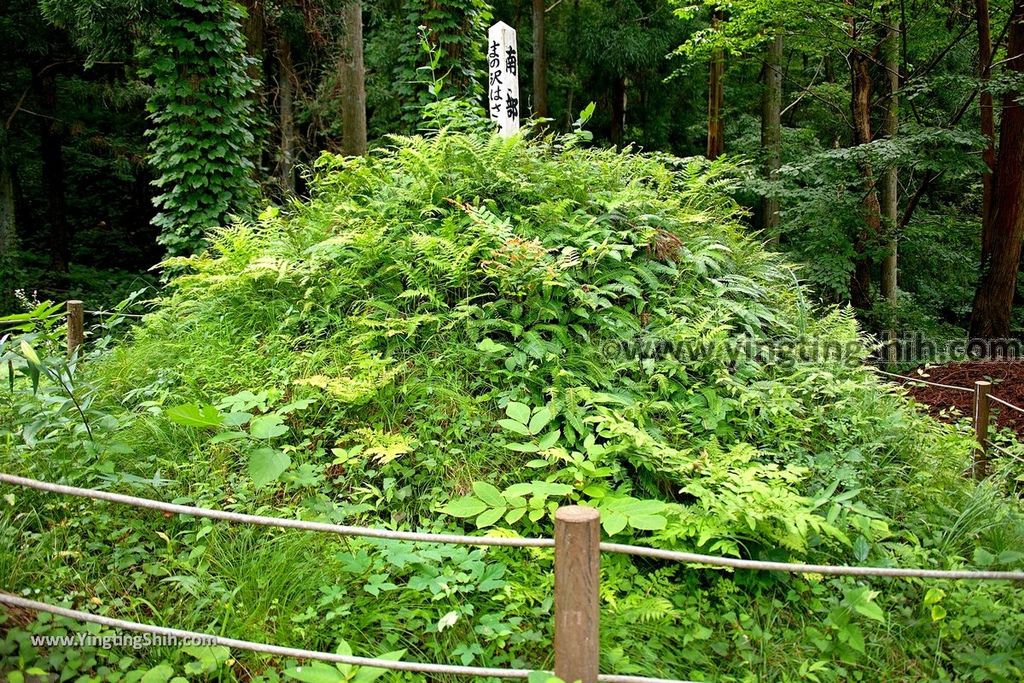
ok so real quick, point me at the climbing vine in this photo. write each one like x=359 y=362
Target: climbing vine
x=452 y=29
x=202 y=114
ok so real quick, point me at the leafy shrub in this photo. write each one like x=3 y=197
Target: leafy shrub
x=475 y=328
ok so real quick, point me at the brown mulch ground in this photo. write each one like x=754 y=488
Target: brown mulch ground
x=1007 y=379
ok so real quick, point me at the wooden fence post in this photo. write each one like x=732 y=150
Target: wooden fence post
x=577 y=573
x=981 y=389
x=76 y=325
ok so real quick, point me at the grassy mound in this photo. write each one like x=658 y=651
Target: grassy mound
x=465 y=332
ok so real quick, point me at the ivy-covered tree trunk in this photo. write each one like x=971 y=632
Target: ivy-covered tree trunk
x=866 y=234
x=540 y=61
x=456 y=30
x=993 y=301
x=771 y=131
x=352 y=79
x=201 y=109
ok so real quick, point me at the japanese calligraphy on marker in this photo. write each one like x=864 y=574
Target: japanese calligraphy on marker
x=503 y=77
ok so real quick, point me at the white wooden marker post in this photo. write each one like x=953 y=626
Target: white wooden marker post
x=503 y=78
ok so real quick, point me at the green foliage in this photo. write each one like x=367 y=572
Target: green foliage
x=468 y=331
x=201 y=108
x=451 y=34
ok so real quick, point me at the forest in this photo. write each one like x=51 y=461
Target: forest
x=710 y=370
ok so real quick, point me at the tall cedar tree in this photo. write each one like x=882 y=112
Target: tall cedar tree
x=1003 y=232
x=352 y=79
x=716 y=72
x=860 y=105
x=540 y=61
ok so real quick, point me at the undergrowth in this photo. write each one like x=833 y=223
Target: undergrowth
x=464 y=332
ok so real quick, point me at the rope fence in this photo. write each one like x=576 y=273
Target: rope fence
x=577 y=561
x=918 y=380
x=576 y=544
x=281 y=522
x=75 y=315
x=983 y=399
x=1003 y=451
x=1005 y=403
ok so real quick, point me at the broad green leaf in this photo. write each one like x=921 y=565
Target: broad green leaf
x=267 y=427
x=544 y=676
x=983 y=558
x=488 y=345
x=315 y=672
x=870 y=609
x=161 y=673
x=549 y=439
x=613 y=522
x=647 y=522
x=528 y=447
x=540 y=420
x=934 y=596
x=228 y=436
x=208 y=658
x=489 y=517
x=368 y=674
x=467 y=506
x=201 y=415
x=513 y=426
x=488 y=493
x=515 y=514
x=520 y=412
x=30 y=354
x=236 y=419
x=266 y=465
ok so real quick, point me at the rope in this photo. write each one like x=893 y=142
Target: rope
x=672 y=555
x=22 y=321
x=180 y=634
x=837 y=570
x=120 y=315
x=922 y=381
x=948 y=386
x=262 y=647
x=1004 y=451
x=277 y=521
x=1005 y=403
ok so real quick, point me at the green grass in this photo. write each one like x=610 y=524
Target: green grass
x=398 y=326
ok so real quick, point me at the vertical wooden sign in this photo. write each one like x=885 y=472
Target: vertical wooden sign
x=503 y=78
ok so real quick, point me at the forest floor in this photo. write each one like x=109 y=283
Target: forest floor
x=1007 y=379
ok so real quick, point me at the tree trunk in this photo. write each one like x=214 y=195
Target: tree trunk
x=771 y=131
x=890 y=177
x=889 y=184
x=716 y=135
x=352 y=75
x=988 y=126
x=540 y=61
x=254 y=29
x=8 y=231
x=993 y=301
x=51 y=152
x=618 y=130
x=867 y=233
x=287 y=122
